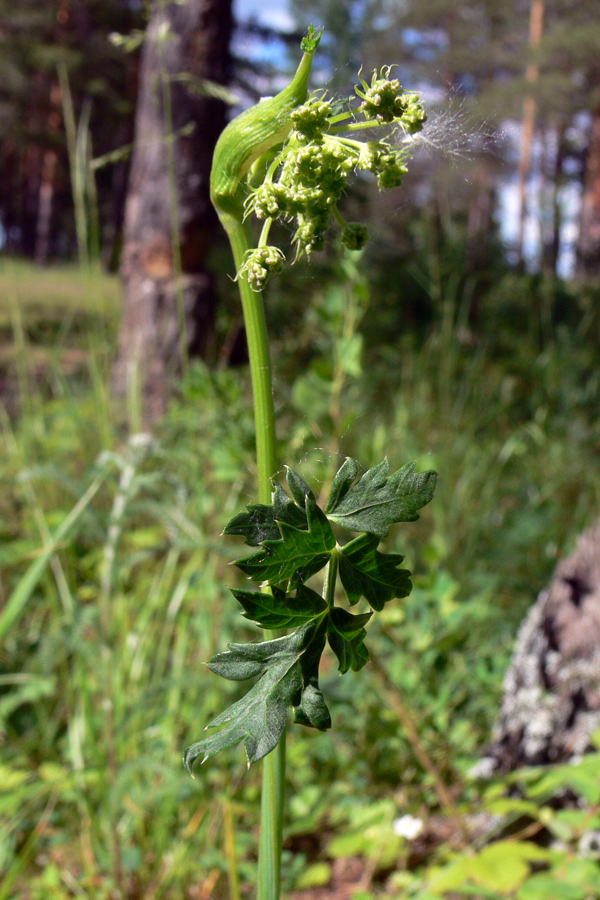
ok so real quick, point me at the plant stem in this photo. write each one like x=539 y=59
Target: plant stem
x=273 y=785
x=260 y=365
x=330 y=579
x=271 y=823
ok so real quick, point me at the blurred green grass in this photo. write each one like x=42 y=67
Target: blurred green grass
x=56 y=291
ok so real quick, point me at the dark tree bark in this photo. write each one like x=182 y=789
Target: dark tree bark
x=588 y=251
x=536 y=27
x=480 y=224
x=551 y=248
x=551 y=703
x=186 y=45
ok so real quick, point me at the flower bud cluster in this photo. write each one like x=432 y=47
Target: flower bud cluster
x=382 y=100
x=414 y=116
x=260 y=264
x=308 y=176
x=311 y=120
x=387 y=164
x=355 y=236
x=311 y=178
x=386 y=101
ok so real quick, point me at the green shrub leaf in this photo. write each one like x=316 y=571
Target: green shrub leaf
x=346 y=634
x=297 y=555
x=260 y=717
x=364 y=572
x=278 y=611
x=379 y=499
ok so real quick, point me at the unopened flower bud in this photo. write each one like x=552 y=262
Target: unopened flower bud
x=355 y=236
x=260 y=264
x=384 y=99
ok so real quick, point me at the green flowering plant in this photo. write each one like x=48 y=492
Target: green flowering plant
x=289 y=158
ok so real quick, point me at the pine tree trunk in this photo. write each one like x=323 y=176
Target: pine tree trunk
x=551 y=249
x=481 y=217
x=588 y=250
x=44 y=216
x=50 y=156
x=551 y=704
x=169 y=222
x=536 y=26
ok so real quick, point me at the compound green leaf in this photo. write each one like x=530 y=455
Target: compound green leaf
x=278 y=611
x=295 y=540
x=260 y=717
x=299 y=489
x=260 y=522
x=346 y=634
x=379 y=499
x=364 y=572
x=297 y=556
x=311 y=709
x=343 y=481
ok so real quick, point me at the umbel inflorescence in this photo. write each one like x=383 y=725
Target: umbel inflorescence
x=302 y=179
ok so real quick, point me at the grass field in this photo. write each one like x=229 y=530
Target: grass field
x=56 y=291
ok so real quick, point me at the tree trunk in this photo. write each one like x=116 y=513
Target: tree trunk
x=480 y=223
x=588 y=250
x=551 y=249
x=551 y=703
x=50 y=156
x=169 y=222
x=536 y=26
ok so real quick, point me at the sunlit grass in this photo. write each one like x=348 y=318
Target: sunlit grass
x=57 y=291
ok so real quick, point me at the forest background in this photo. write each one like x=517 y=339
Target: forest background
x=466 y=336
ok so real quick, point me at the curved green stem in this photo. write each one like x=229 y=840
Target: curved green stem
x=264 y=234
x=273 y=785
x=260 y=362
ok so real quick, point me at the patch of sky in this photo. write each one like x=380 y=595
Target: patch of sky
x=272 y=13
x=425 y=45
x=269 y=55
x=538 y=200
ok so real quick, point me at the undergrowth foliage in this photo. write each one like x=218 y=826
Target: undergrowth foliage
x=296 y=540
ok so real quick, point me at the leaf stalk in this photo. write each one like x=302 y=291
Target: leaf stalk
x=331 y=578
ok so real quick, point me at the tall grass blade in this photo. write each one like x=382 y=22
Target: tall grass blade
x=28 y=583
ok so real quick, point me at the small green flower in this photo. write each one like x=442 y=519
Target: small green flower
x=414 y=116
x=260 y=264
x=384 y=99
x=311 y=120
x=355 y=236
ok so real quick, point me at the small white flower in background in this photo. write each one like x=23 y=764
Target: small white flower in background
x=408 y=827
x=589 y=845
